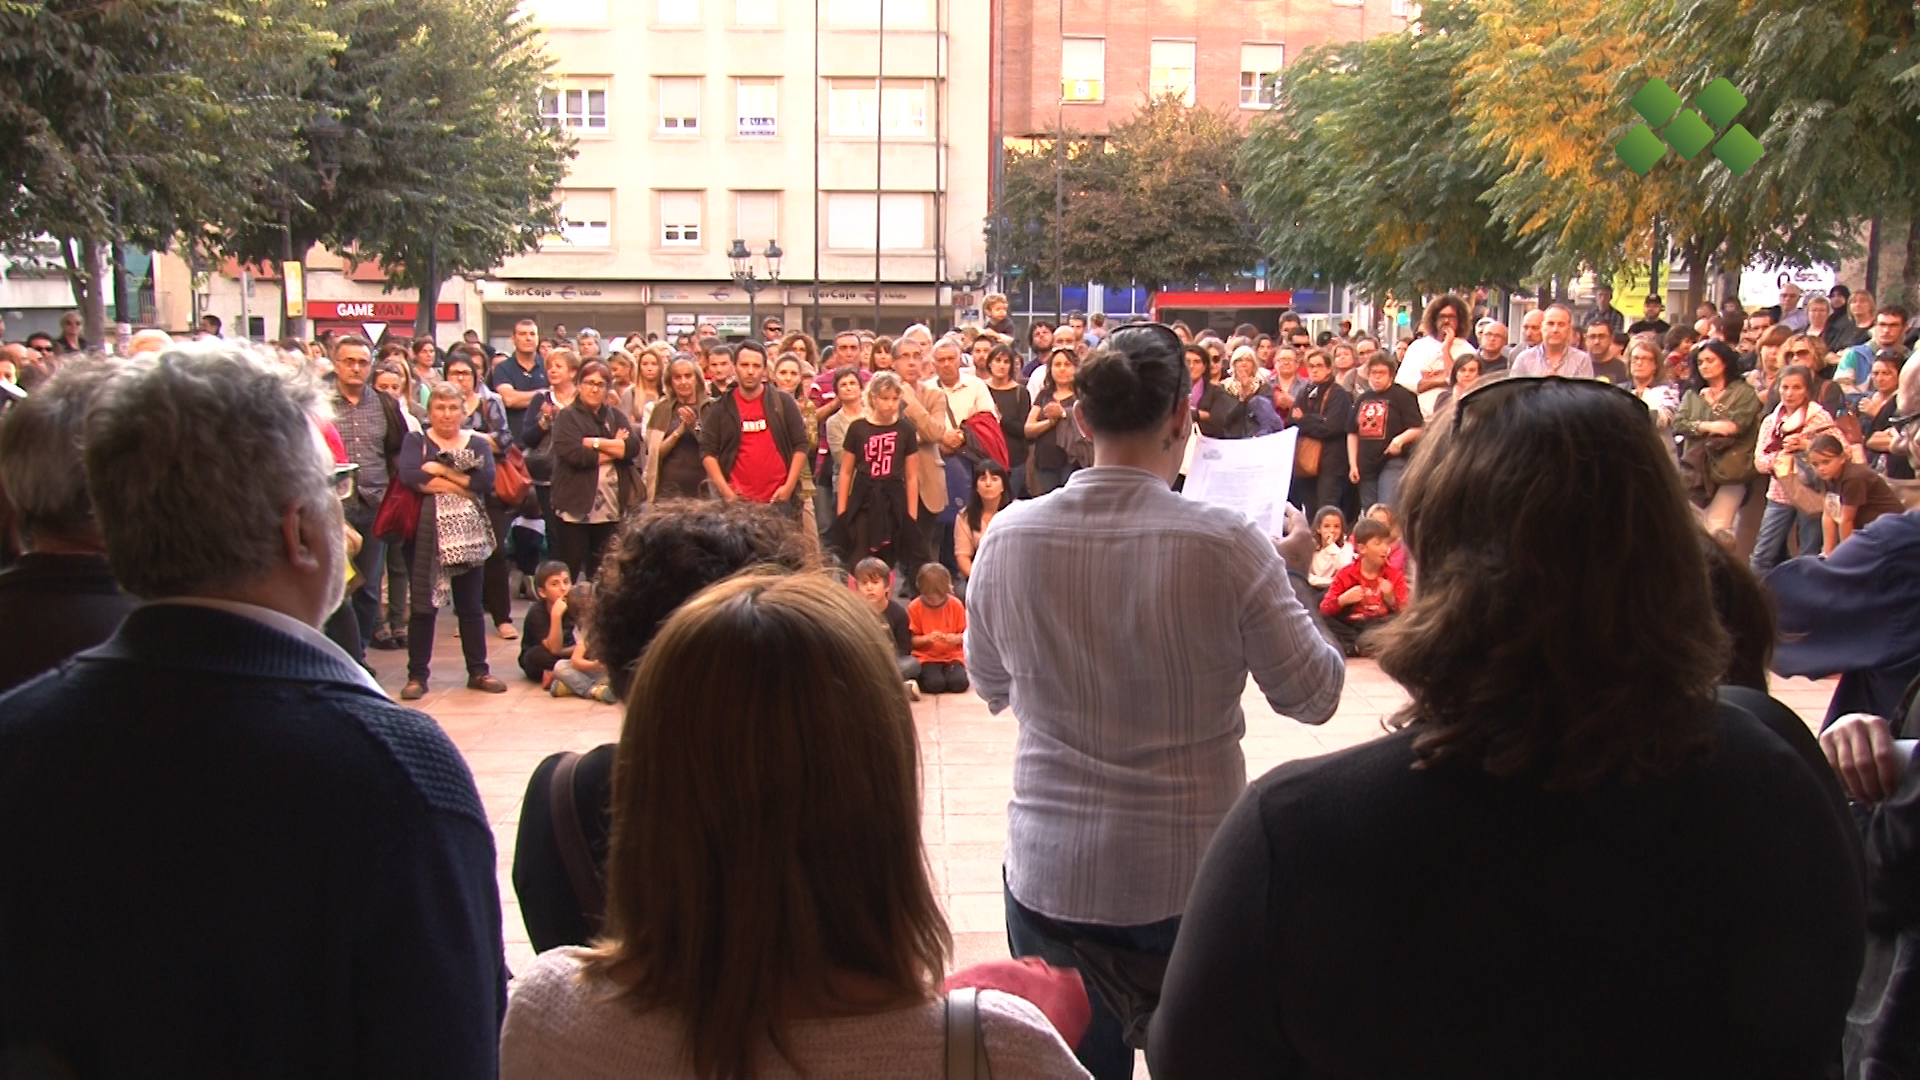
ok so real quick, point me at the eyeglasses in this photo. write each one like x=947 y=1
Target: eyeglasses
x=1482 y=394
x=593 y=384
x=1799 y=352
x=342 y=480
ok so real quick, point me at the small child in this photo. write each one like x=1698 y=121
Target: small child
x=1330 y=551
x=875 y=581
x=579 y=674
x=938 y=622
x=1366 y=592
x=1397 y=555
x=1856 y=495
x=548 y=633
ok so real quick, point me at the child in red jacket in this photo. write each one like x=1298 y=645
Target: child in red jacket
x=1367 y=592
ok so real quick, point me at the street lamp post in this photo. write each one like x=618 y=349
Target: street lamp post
x=744 y=276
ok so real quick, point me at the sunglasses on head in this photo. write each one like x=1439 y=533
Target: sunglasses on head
x=1487 y=394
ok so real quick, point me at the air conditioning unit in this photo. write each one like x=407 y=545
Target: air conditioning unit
x=1080 y=89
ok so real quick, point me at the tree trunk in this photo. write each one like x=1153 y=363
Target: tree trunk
x=85 y=271
x=1696 y=281
x=425 y=325
x=1910 y=266
x=1873 y=258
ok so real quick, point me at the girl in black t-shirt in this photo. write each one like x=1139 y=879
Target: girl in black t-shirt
x=878 y=488
x=1386 y=421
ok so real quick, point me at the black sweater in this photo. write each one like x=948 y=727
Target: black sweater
x=1354 y=917
x=226 y=854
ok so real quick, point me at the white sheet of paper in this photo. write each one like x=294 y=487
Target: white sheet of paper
x=1248 y=475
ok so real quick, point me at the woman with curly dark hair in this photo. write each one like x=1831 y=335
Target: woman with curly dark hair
x=660 y=559
x=1568 y=836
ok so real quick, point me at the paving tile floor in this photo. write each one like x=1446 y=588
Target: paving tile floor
x=967 y=756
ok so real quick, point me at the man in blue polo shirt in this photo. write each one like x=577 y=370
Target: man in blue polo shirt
x=522 y=375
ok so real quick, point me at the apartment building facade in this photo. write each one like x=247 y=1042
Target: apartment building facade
x=827 y=127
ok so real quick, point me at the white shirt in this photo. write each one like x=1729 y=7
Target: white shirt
x=1423 y=360
x=1120 y=621
x=966 y=398
x=284 y=623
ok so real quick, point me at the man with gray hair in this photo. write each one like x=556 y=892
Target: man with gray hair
x=227 y=852
x=60 y=598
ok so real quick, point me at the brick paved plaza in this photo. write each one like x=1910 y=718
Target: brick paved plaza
x=967 y=756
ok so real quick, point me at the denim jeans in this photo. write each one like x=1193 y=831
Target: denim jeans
x=581 y=683
x=1101 y=1051
x=1384 y=488
x=369 y=563
x=1780 y=522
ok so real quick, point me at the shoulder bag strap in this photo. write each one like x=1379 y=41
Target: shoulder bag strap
x=572 y=837
x=966 y=1037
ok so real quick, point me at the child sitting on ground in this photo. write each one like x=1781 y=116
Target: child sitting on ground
x=1330 y=550
x=1366 y=592
x=1396 y=551
x=875 y=581
x=578 y=674
x=938 y=621
x=548 y=634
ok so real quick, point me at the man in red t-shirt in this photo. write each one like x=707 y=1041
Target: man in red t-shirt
x=753 y=440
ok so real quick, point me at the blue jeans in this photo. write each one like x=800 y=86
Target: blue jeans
x=1384 y=488
x=1101 y=1051
x=371 y=563
x=1780 y=522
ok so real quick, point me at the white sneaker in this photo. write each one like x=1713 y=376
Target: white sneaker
x=913 y=692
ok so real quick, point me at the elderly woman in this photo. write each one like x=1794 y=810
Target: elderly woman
x=594 y=450
x=674 y=470
x=486 y=414
x=1598 y=843
x=451 y=468
x=1719 y=424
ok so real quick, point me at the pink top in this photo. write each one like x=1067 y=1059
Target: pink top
x=562 y=1025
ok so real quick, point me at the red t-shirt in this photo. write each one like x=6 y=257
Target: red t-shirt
x=759 y=470
x=1371 y=605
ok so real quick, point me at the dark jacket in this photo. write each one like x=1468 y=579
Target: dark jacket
x=552 y=910
x=1717 y=913
x=52 y=606
x=1225 y=412
x=1326 y=411
x=576 y=469
x=284 y=872
x=720 y=427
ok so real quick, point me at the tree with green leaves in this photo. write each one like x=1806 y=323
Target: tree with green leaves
x=135 y=120
x=1564 y=188
x=1365 y=171
x=445 y=165
x=1157 y=200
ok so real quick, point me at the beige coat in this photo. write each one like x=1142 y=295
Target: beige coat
x=926 y=406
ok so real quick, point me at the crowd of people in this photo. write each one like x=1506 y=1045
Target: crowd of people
x=1607 y=824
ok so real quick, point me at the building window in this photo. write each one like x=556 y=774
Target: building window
x=756 y=218
x=903 y=112
x=756 y=12
x=1260 y=75
x=757 y=108
x=587 y=218
x=903 y=221
x=676 y=12
x=679 y=219
x=900 y=13
x=1083 y=69
x=565 y=12
x=576 y=105
x=1172 y=70
x=679 y=106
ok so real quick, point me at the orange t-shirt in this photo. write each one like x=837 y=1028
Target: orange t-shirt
x=948 y=618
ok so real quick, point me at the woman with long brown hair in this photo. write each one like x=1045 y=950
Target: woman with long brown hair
x=1568 y=836
x=674 y=470
x=794 y=928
